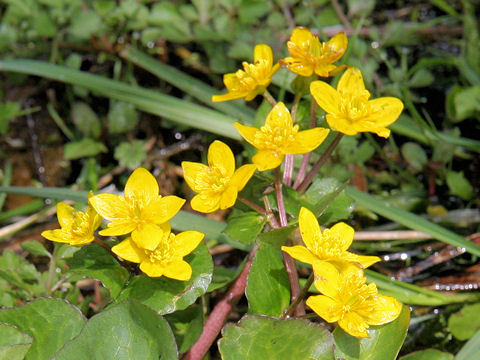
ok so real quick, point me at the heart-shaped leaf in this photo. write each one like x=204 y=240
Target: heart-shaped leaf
x=128 y=330
x=168 y=295
x=14 y=344
x=429 y=354
x=261 y=337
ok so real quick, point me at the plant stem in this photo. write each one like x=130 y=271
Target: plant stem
x=268 y=215
x=308 y=179
x=267 y=96
x=291 y=309
x=51 y=270
x=219 y=314
x=288 y=168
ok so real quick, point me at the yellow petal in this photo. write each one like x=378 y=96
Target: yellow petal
x=354 y=324
x=96 y=219
x=298 y=66
x=336 y=47
x=301 y=37
x=351 y=82
x=163 y=209
x=386 y=309
x=57 y=235
x=247 y=132
x=152 y=269
x=309 y=228
x=327 y=278
x=187 y=241
x=65 y=215
x=129 y=251
x=324 y=70
x=148 y=236
x=194 y=173
x=206 y=203
x=300 y=253
x=325 y=307
x=384 y=111
x=263 y=52
x=228 y=96
x=120 y=227
x=228 y=197
x=141 y=184
x=221 y=157
x=178 y=270
x=81 y=240
x=367 y=261
x=326 y=97
x=267 y=159
x=110 y=206
x=242 y=175
x=279 y=116
x=340 y=123
x=344 y=233
x=307 y=140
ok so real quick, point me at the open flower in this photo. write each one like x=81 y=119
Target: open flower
x=142 y=211
x=279 y=137
x=349 y=109
x=348 y=300
x=330 y=245
x=308 y=55
x=253 y=79
x=218 y=183
x=77 y=227
x=166 y=257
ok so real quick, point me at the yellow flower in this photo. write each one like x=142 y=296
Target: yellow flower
x=142 y=211
x=218 y=183
x=77 y=227
x=348 y=300
x=166 y=257
x=253 y=79
x=308 y=55
x=330 y=245
x=279 y=137
x=348 y=109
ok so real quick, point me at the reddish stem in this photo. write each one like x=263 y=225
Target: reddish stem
x=220 y=312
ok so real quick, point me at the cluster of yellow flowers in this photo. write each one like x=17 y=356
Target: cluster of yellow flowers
x=143 y=214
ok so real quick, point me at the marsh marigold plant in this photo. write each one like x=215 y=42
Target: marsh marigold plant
x=253 y=80
x=217 y=183
x=141 y=211
x=278 y=137
x=329 y=245
x=349 y=109
x=348 y=300
x=310 y=56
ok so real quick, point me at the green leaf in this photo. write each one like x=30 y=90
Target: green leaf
x=469 y=351
x=421 y=78
x=411 y=221
x=276 y=237
x=14 y=344
x=414 y=155
x=51 y=323
x=8 y=111
x=429 y=354
x=131 y=154
x=43 y=24
x=268 y=287
x=129 y=330
x=384 y=342
x=85 y=24
x=467 y=103
x=187 y=326
x=86 y=120
x=260 y=337
x=166 y=295
x=96 y=262
x=35 y=248
x=222 y=277
x=465 y=323
x=244 y=226
x=459 y=185
x=122 y=117
x=83 y=148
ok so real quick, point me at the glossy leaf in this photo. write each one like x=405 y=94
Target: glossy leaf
x=35 y=248
x=260 y=337
x=129 y=330
x=83 y=148
x=429 y=354
x=384 y=342
x=14 y=344
x=187 y=325
x=94 y=261
x=470 y=351
x=166 y=295
x=244 y=226
x=51 y=323
x=268 y=288
x=465 y=323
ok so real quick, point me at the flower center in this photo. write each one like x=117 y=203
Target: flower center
x=164 y=252
x=328 y=244
x=81 y=224
x=355 y=106
x=275 y=138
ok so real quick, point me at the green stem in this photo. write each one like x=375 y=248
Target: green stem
x=51 y=270
x=301 y=295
